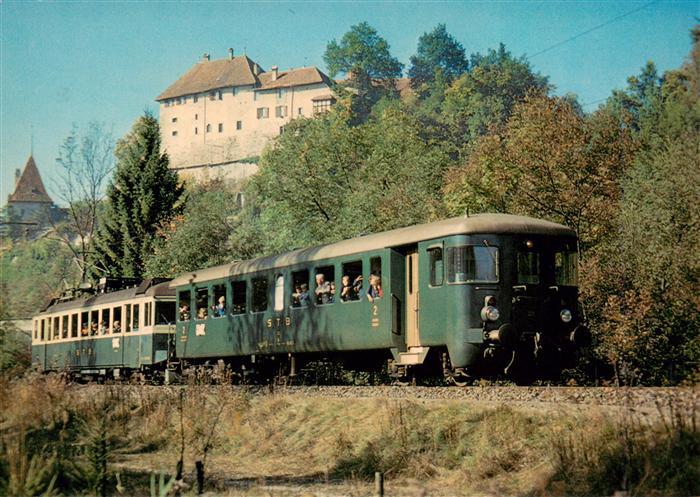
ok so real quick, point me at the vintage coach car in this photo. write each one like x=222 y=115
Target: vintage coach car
x=480 y=295
x=111 y=334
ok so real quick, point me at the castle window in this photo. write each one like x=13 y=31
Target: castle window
x=321 y=106
x=300 y=111
x=174 y=133
x=196 y=116
x=281 y=111
x=208 y=128
x=234 y=91
x=212 y=95
x=221 y=95
x=281 y=129
x=280 y=93
x=263 y=112
x=194 y=99
x=174 y=119
x=221 y=127
x=196 y=131
x=239 y=125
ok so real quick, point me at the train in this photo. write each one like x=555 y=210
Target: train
x=488 y=295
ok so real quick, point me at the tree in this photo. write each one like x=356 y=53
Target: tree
x=207 y=233
x=437 y=52
x=86 y=162
x=485 y=96
x=143 y=194
x=548 y=161
x=364 y=57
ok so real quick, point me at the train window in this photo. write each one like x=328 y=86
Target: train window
x=279 y=293
x=84 y=324
x=470 y=264
x=351 y=282
x=42 y=327
x=127 y=318
x=36 y=329
x=74 y=325
x=64 y=326
x=300 y=288
x=259 y=289
x=219 y=309
x=55 y=329
x=566 y=268
x=374 y=290
x=184 y=299
x=238 y=297
x=93 y=319
x=165 y=312
x=117 y=319
x=103 y=320
x=148 y=312
x=137 y=313
x=436 y=266
x=325 y=285
x=202 y=302
x=528 y=268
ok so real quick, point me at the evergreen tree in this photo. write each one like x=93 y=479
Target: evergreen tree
x=437 y=52
x=143 y=194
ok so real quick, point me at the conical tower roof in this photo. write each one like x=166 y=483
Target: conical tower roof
x=30 y=188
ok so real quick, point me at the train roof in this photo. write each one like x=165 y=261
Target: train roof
x=145 y=289
x=479 y=223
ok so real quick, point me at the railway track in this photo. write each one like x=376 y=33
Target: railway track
x=633 y=397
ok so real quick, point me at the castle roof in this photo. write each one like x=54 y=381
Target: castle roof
x=293 y=77
x=30 y=188
x=208 y=75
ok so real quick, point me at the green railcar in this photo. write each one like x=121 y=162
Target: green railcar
x=467 y=296
x=111 y=334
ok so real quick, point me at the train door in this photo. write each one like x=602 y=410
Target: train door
x=412 y=300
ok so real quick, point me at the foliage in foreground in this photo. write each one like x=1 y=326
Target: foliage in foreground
x=59 y=438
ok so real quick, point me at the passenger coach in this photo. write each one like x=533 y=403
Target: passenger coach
x=480 y=295
x=114 y=333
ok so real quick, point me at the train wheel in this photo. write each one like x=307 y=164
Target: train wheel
x=459 y=378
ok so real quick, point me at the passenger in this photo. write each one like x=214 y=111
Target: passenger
x=93 y=328
x=84 y=330
x=184 y=312
x=304 y=299
x=332 y=295
x=103 y=328
x=375 y=288
x=202 y=313
x=117 y=328
x=296 y=296
x=323 y=290
x=220 y=308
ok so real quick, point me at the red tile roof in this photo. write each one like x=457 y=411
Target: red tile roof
x=293 y=77
x=30 y=188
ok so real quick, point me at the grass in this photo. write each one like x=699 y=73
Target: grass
x=55 y=437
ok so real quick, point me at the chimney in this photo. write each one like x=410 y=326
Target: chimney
x=206 y=56
x=274 y=69
x=18 y=173
x=230 y=54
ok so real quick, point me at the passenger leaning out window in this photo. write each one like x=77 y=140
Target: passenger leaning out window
x=304 y=299
x=375 y=288
x=220 y=308
x=323 y=290
x=184 y=312
x=350 y=292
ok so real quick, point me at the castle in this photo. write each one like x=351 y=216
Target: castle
x=217 y=117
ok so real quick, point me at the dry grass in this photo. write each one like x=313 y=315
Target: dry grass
x=445 y=447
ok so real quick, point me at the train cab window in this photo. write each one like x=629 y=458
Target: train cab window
x=202 y=302
x=219 y=308
x=279 y=293
x=165 y=312
x=351 y=282
x=472 y=264
x=183 y=304
x=74 y=325
x=566 y=268
x=259 y=295
x=84 y=324
x=127 y=318
x=436 y=266
x=238 y=297
x=528 y=268
x=136 y=318
x=64 y=326
x=300 y=288
x=324 y=291
x=117 y=319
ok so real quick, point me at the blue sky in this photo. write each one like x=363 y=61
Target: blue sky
x=74 y=62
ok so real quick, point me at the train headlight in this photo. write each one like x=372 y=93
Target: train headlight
x=565 y=315
x=490 y=313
